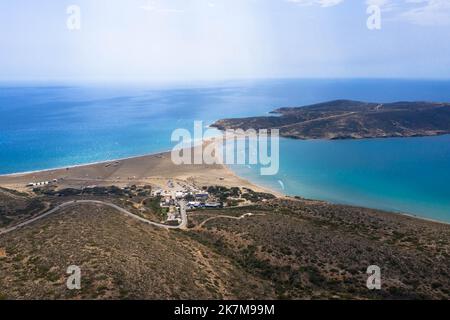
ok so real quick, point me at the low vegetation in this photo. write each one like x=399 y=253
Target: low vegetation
x=315 y=250
x=289 y=249
x=346 y=119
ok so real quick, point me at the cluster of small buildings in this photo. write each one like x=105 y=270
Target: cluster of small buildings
x=208 y=205
x=196 y=198
x=40 y=184
x=174 y=215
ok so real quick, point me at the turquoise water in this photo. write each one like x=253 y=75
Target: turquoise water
x=44 y=127
x=407 y=175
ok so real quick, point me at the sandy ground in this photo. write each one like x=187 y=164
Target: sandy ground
x=156 y=170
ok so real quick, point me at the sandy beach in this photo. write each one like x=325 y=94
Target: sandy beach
x=156 y=170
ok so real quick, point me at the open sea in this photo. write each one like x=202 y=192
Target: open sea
x=43 y=127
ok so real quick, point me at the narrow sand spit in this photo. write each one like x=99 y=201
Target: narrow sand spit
x=156 y=170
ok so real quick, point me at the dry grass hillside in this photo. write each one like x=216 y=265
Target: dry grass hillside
x=346 y=119
x=289 y=249
x=119 y=259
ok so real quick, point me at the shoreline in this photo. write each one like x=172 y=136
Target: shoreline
x=409 y=215
x=18 y=174
x=226 y=171
x=153 y=168
x=156 y=153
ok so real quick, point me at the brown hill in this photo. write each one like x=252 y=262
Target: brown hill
x=119 y=259
x=346 y=119
x=287 y=249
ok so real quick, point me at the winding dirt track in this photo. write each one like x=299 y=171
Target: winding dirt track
x=182 y=225
x=228 y=217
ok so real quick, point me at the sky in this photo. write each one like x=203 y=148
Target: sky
x=164 y=40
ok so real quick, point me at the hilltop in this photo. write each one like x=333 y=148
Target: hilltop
x=273 y=248
x=347 y=119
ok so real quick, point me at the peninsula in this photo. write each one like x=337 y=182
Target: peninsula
x=347 y=119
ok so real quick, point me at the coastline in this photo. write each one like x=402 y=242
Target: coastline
x=156 y=153
x=16 y=174
x=187 y=173
x=154 y=169
x=210 y=174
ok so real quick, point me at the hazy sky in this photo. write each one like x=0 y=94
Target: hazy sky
x=133 y=40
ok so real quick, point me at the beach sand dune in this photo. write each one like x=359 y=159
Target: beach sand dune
x=155 y=170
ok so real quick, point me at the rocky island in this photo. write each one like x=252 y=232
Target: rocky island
x=347 y=119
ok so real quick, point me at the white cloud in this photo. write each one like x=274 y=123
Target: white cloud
x=419 y=12
x=427 y=12
x=380 y=3
x=385 y=5
x=155 y=6
x=322 y=3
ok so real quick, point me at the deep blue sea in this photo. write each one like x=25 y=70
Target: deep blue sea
x=44 y=127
